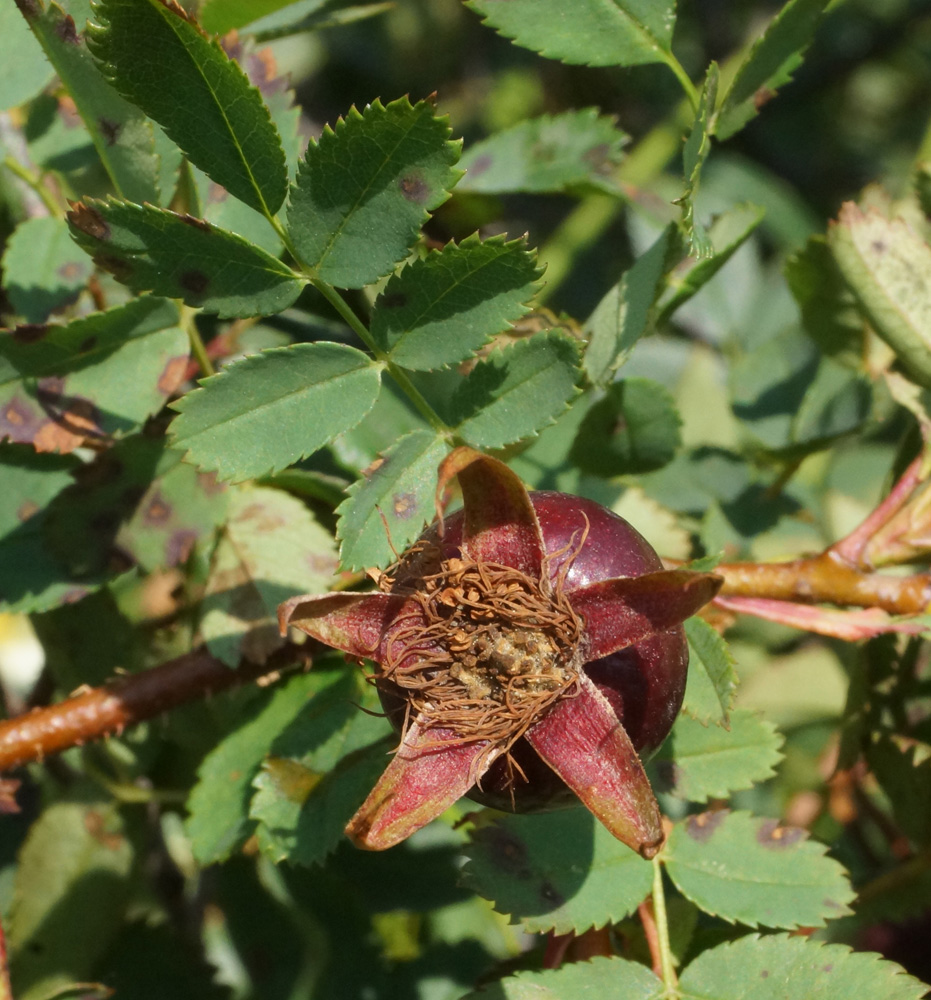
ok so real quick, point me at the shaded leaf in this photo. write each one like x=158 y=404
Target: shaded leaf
x=321 y=768
x=273 y=408
x=272 y=548
x=552 y=153
x=178 y=510
x=559 y=871
x=221 y=16
x=769 y=64
x=401 y=489
x=594 y=33
x=440 y=309
x=159 y=59
x=30 y=482
x=122 y=136
x=178 y=256
x=100 y=375
x=217 y=821
x=699 y=762
x=43 y=269
x=65 y=914
x=622 y=317
x=365 y=188
x=634 y=428
x=516 y=391
x=25 y=69
x=887 y=266
x=906 y=780
x=782 y=967
x=750 y=870
x=605 y=978
x=712 y=682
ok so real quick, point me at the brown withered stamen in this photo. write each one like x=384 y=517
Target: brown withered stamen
x=493 y=651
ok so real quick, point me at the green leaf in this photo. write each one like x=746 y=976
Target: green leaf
x=829 y=309
x=122 y=136
x=43 y=269
x=273 y=408
x=782 y=967
x=622 y=317
x=178 y=510
x=559 y=871
x=25 y=69
x=30 y=481
x=158 y=58
x=768 y=65
x=217 y=820
x=594 y=33
x=750 y=870
x=634 y=428
x=70 y=894
x=605 y=978
x=364 y=190
x=221 y=16
x=906 y=780
x=217 y=205
x=887 y=266
x=272 y=548
x=712 y=682
x=726 y=235
x=694 y=153
x=516 y=391
x=151 y=249
x=699 y=762
x=321 y=768
x=100 y=375
x=551 y=154
x=401 y=489
x=440 y=309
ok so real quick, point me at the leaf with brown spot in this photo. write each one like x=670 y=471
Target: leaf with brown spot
x=390 y=505
x=152 y=249
x=750 y=870
x=94 y=377
x=559 y=871
x=260 y=561
x=403 y=168
x=123 y=137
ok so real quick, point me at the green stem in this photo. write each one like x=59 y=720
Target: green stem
x=361 y=331
x=590 y=219
x=34 y=182
x=670 y=981
x=690 y=91
x=189 y=322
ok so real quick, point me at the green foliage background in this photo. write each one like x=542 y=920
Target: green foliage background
x=601 y=251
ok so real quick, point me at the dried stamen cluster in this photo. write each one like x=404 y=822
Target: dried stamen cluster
x=490 y=651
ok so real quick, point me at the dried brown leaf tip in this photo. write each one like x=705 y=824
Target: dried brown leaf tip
x=528 y=649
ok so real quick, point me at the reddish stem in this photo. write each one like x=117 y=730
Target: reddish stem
x=123 y=702
x=648 y=919
x=851 y=548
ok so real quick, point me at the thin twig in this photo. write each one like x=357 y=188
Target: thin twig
x=110 y=709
